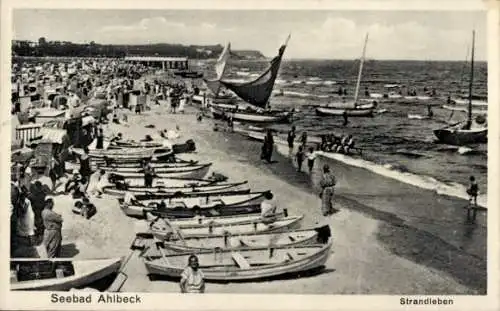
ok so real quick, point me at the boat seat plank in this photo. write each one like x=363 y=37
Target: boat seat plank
x=240 y=260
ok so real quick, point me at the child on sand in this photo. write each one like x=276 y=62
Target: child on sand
x=300 y=158
x=473 y=190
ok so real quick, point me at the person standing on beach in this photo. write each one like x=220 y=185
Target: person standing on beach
x=192 y=279
x=291 y=139
x=310 y=159
x=300 y=158
x=267 y=147
x=85 y=170
x=52 y=236
x=327 y=185
x=100 y=139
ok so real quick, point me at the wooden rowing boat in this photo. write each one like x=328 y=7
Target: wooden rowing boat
x=182 y=212
x=59 y=274
x=161 y=228
x=243 y=241
x=195 y=171
x=120 y=190
x=169 y=182
x=127 y=154
x=244 y=264
x=198 y=222
x=161 y=171
x=207 y=201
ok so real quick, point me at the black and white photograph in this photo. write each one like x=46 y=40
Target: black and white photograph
x=337 y=151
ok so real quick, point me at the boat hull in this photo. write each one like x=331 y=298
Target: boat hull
x=461 y=137
x=227 y=272
x=350 y=112
x=187 y=172
x=180 y=212
x=160 y=229
x=188 y=191
x=253 y=117
x=86 y=272
x=300 y=237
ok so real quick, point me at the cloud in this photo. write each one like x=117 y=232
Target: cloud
x=331 y=37
x=339 y=37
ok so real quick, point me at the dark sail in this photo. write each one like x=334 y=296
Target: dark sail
x=258 y=91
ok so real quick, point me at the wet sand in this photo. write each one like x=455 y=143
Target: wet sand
x=375 y=250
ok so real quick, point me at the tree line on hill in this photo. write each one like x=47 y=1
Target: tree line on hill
x=69 y=49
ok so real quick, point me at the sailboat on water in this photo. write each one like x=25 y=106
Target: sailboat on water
x=469 y=131
x=255 y=93
x=351 y=109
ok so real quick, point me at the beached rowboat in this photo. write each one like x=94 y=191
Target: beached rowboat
x=182 y=212
x=195 y=172
x=128 y=154
x=161 y=229
x=59 y=274
x=251 y=240
x=245 y=264
x=167 y=168
x=120 y=190
x=208 y=200
x=198 y=222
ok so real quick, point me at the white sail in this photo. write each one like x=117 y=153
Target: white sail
x=358 y=82
x=220 y=66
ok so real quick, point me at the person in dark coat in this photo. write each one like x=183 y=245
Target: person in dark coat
x=100 y=139
x=268 y=146
x=52 y=236
x=85 y=170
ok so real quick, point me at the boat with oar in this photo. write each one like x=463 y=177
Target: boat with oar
x=120 y=189
x=469 y=131
x=162 y=171
x=161 y=228
x=59 y=274
x=137 y=208
x=135 y=166
x=155 y=197
x=351 y=109
x=183 y=212
x=130 y=154
x=198 y=222
x=194 y=172
x=240 y=265
x=239 y=241
x=169 y=182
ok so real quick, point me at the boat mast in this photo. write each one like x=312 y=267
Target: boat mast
x=358 y=82
x=469 y=117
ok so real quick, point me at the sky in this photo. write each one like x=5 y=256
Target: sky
x=331 y=34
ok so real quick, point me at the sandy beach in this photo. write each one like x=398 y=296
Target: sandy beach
x=384 y=242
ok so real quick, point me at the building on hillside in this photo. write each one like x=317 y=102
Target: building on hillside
x=166 y=63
